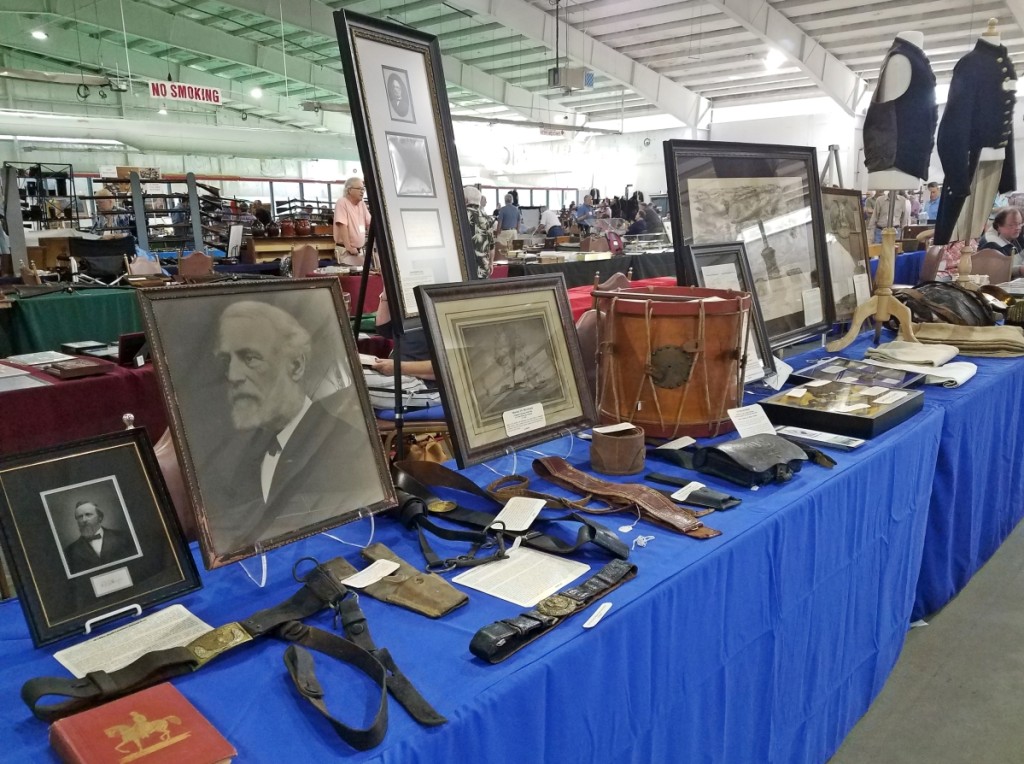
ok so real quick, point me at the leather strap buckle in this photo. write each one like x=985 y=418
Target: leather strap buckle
x=211 y=644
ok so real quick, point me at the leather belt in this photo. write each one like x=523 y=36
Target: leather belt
x=411 y=475
x=652 y=505
x=499 y=640
x=321 y=589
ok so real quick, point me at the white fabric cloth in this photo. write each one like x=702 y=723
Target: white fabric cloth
x=951 y=374
x=913 y=352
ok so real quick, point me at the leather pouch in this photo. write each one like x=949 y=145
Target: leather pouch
x=755 y=460
x=617 y=453
x=424 y=593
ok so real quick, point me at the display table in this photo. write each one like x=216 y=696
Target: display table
x=256 y=250
x=580 y=299
x=764 y=644
x=907 y=267
x=976 y=500
x=44 y=322
x=38 y=417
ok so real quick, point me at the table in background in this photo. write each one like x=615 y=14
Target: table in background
x=906 y=267
x=580 y=300
x=43 y=322
x=38 y=417
x=764 y=644
x=978 y=495
x=582 y=273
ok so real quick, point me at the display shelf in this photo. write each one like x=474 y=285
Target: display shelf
x=46 y=195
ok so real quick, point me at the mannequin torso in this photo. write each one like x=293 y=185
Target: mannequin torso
x=893 y=82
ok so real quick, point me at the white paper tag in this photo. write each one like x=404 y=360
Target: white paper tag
x=523 y=419
x=371 y=574
x=871 y=392
x=111 y=581
x=861 y=288
x=684 y=493
x=797 y=392
x=610 y=428
x=675 y=445
x=750 y=420
x=834 y=369
x=524 y=578
x=591 y=622
x=849 y=408
x=892 y=396
x=817 y=383
x=812 y=306
x=519 y=513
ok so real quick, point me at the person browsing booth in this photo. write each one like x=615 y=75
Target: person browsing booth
x=351 y=223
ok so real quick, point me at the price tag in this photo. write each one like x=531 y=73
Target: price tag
x=684 y=493
x=607 y=429
x=519 y=513
x=675 y=445
x=797 y=392
x=371 y=574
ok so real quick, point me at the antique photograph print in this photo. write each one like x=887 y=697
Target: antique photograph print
x=396 y=85
x=508 y=361
x=271 y=417
x=89 y=529
x=407 y=152
x=848 y=259
x=766 y=197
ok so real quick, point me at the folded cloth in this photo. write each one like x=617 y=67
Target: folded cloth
x=913 y=352
x=990 y=341
x=951 y=374
x=415 y=393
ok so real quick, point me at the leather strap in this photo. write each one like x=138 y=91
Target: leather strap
x=652 y=505
x=701 y=497
x=499 y=640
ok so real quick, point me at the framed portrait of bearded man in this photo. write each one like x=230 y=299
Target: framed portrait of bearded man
x=271 y=419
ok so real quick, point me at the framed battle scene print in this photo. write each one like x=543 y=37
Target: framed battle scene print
x=847 y=240
x=89 y=529
x=725 y=266
x=508 y=363
x=768 y=198
x=403 y=129
x=271 y=419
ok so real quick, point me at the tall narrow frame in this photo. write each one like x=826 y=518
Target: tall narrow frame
x=847 y=241
x=403 y=130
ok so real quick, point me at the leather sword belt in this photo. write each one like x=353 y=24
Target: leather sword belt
x=321 y=589
x=652 y=505
x=499 y=640
x=416 y=479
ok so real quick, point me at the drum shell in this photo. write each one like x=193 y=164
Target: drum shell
x=627 y=341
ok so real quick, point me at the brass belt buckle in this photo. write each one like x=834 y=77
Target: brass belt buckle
x=220 y=640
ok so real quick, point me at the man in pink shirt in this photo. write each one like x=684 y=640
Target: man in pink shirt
x=351 y=223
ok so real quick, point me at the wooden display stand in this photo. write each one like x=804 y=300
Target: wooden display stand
x=263 y=250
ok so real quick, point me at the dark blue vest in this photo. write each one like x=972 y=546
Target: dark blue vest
x=900 y=134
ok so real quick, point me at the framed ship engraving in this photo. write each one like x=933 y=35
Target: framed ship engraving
x=506 y=349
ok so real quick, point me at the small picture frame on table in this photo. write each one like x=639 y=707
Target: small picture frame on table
x=767 y=197
x=508 y=362
x=846 y=237
x=270 y=414
x=403 y=130
x=89 y=529
x=725 y=266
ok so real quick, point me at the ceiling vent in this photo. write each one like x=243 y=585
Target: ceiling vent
x=570 y=78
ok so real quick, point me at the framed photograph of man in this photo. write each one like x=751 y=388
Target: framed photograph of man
x=725 y=266
x=508 y=361
x=407 y=151
x=768 y=198
x=846 y=237
x=270 y=415
x=89 y=529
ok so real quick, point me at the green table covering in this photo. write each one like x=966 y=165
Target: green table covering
x=42 y=323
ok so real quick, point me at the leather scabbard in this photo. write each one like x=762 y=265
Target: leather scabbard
x=652 y=505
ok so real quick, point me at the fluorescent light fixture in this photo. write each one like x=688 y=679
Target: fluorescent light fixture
x=163 y=111
x=39 y=34
x=49 y=139
x=256 y=92
x=773 y=60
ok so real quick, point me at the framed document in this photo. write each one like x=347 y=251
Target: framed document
x=270 y=414
x=403 y=130
x=508 y=362
x=846 y=238
x=89 y=529
x=768 y=198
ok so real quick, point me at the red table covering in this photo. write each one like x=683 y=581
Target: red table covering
x=580 y=300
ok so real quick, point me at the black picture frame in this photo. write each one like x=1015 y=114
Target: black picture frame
x=51 y=498
x=770 y=194
x=408 y=157
x=725 y=266
x=848 y=258
x=499 y=347
x=230 y=359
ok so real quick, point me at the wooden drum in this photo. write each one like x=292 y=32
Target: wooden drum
x=670 y=359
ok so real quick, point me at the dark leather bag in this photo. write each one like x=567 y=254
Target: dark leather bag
x=942 y=302
x=755 y=460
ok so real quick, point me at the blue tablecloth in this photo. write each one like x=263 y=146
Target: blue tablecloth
x=906 y=267
x=978 y=495
x=764 y=644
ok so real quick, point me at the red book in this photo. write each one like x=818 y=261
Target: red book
x=154 y=726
